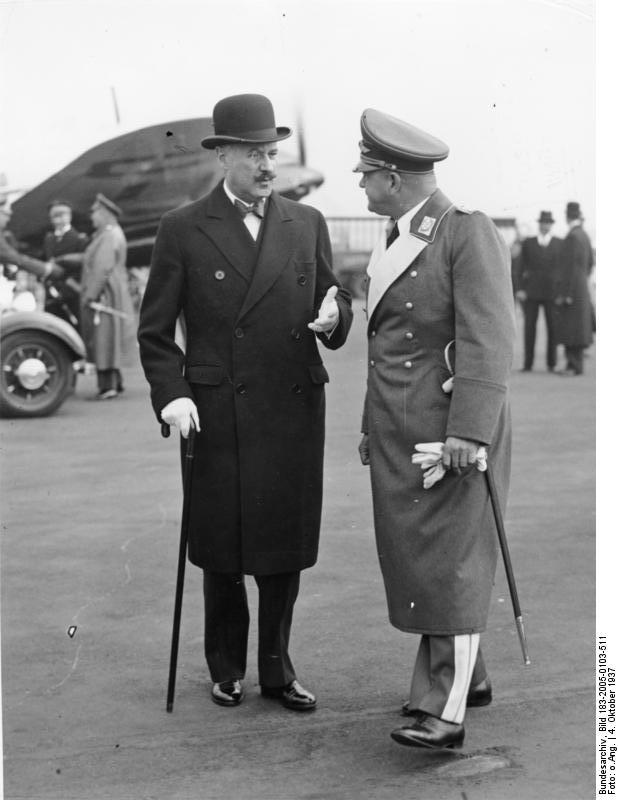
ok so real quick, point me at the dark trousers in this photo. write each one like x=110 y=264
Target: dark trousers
x=109 y=379
x=531 y=313
x=226 y=628
x=575 y=358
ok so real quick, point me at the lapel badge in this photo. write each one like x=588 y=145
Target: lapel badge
x=219 y=274
x=426 y=225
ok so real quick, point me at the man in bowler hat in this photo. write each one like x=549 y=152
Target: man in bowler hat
x=440 y=342
x=536 y=275
x=251 y=273
x=573 y=303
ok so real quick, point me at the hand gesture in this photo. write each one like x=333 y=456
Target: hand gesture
x=328 y=315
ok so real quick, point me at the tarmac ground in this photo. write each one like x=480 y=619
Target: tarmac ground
x=89 y=550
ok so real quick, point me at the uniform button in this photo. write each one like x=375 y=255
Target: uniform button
x=409 y=305
x=409 y=335
x=408 y=365
x=413 y=274
x=372 y=363
x=373 y=333
x=241 y=388
x=302 y=280
x=219 y=274
x=296 y=389
x=239 y=333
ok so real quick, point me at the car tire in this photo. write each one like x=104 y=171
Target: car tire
x=36 y=374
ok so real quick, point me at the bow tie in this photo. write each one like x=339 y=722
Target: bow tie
x=256 y=208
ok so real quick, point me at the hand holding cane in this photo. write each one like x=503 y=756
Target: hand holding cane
x=182 y=557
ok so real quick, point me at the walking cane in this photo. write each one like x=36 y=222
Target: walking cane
x=182 y=557
x=519 y=623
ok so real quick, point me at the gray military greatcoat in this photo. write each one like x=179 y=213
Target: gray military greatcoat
x=437 y=547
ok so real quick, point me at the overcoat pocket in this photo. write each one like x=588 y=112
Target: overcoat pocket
x=208 y=374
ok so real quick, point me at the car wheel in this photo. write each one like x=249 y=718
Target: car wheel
x=37 y=374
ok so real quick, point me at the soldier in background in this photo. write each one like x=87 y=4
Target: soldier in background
x=534 y=283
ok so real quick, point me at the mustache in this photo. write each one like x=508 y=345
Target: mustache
x=266 y=176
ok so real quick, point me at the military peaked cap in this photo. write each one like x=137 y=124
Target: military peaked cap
x=108 y=204
x=390 y=143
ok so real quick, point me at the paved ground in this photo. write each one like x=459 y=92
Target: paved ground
x=91 y=517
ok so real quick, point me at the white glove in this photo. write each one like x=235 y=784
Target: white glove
x=429 y=457
x=328 y=315
x=181 y=412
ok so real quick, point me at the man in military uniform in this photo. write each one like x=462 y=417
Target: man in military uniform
x=439 y=292
x=12 y=260
x=534 y=283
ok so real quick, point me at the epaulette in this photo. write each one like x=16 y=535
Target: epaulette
x=464 y=209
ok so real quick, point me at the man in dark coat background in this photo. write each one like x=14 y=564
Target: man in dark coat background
x=573 y=303
x=63 y=295
x=440 y=343
x=535 y=278
x=251 y=274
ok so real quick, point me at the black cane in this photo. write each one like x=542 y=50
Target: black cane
x=182 y=558
x=508 y=567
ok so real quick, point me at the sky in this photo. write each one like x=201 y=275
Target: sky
x=508 y=84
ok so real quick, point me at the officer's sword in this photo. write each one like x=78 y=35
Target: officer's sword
x=99 y=308
x=508 y=567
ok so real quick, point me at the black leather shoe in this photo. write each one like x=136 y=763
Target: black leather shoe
x=430 y=731
x=228 y=693
x=291 y=696
x=480 y=695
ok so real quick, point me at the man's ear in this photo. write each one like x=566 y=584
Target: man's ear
x=394 y=179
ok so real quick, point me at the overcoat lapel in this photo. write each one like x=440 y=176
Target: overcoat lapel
x=225 y=228
x=277 y=246
x=386 y=265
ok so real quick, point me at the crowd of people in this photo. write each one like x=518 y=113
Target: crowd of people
x=83 y=281
x=553 y=274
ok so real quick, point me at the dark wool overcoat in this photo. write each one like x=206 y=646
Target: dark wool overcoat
x=573 y=322
x=253 y=368
x=109 y=339
x=538 y=267
x=437 y=547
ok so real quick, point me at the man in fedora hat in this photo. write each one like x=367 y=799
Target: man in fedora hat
x=440 y=343
x=251 y=273
x=534 y=283
x=573 y=303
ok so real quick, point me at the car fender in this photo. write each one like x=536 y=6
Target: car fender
x=11 y=321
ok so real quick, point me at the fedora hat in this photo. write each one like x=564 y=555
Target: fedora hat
x=244 y=119
x=546 y=216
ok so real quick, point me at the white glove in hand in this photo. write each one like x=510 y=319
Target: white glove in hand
x=429 y=457
x=181 y=412
x=328 y=315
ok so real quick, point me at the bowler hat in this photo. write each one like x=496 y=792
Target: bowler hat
x=546 y=216
x=390 y=143
x=108 y=204
x=573 y=211
x=244 y=119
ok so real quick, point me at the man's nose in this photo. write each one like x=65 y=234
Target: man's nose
x=361 y=183
x=267 y=164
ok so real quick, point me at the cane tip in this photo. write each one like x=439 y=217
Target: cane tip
x=170 y=708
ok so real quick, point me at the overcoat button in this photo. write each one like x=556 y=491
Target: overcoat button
x=241 y=388
x=372 y=362
x=239 y=333
x=296 y=389
x=409 y=335
x=373 y=333
x=295 y=334
x=409 y=305
x=413 y=274
x=302 y=280
x=219 y=274
x=408 y=365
